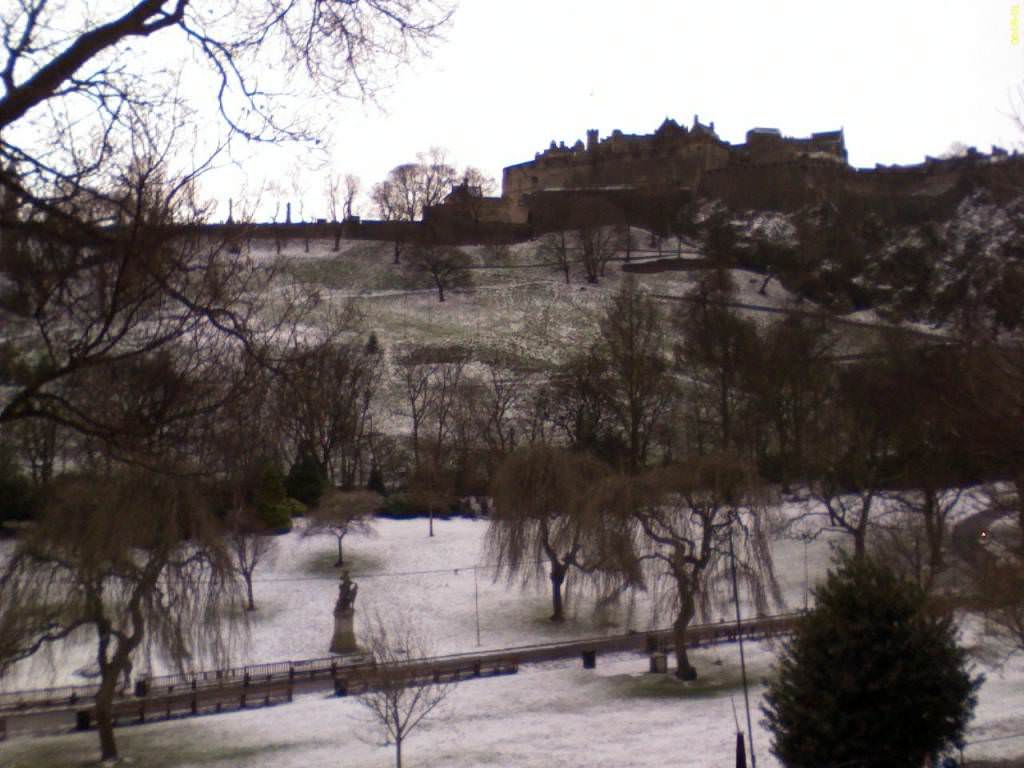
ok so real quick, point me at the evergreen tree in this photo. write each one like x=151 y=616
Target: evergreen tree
x=270 y=498
x=872 y=678
x=306 y=479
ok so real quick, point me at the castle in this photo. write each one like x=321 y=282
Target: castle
x=647 y=177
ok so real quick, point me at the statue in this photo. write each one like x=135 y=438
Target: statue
x=344 y=640
x=347 y=590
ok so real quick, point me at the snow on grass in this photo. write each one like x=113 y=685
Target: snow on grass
x=548 y=715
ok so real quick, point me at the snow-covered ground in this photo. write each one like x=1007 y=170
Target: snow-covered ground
x=548 y=715
x=554 y=714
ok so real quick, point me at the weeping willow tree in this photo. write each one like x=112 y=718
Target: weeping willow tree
x=546 y=522
x=682 y=518
x=132 y=560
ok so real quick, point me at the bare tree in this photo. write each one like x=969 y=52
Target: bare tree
x=475 y=187
x=543 y=515
x=416 y=371
x=596 y=225
x=790 y=388
x=411 y=188
x=497 y=410
x=131 y=557
x=352 y=187
x=684 y=516
x=998 y=590
x=341 y=513
x=558 y=247
x=852 y=447
x=250 y=543
x=399 y=698
x=95 y=197
x=638 y=381
x=326 y=401
x=444 y=266
x=333 y=193
x=719 y=353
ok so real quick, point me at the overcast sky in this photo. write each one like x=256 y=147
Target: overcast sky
x=903 y=78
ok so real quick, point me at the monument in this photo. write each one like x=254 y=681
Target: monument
x=344 y=640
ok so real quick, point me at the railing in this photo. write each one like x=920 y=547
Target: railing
x=180 y=687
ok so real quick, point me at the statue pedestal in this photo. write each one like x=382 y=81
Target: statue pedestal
x=344 y=640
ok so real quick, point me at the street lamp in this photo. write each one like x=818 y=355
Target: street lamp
x=743 y=658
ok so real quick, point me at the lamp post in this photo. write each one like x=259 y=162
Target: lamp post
x=805 y=575
x=476 y=605
x=743 y=659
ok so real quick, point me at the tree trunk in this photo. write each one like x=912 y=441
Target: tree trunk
x=248 y=589
x=557 y=580
x=104 y=714
x=341 y=558
x=431 y=526
x=933 y=530
x=860 y=544
x=337 y=238
x=398 y=752
x=684 y=670
x=440 y=291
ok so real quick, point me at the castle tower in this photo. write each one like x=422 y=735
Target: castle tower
x=591 y=139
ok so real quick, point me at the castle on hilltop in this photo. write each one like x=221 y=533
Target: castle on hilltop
x=673 y=157
x=644 y=175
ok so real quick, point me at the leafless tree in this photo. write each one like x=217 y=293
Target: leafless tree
x=684 y=516
x=476 y=186
x=497 y=408
x=790 y=388
x=444 y=266
x=578 y=408
x=558 y=247
x=543 y=515
x=989 y=410
x=415 y=372
x=399 y=699
x=638 y=381
x=854 y=439
x=998 y=589
x=596 y=227
x=718 y=352
x=411 y=188
x=326 y=400
x=352 y=187
x=333 y=193
x=94 y=196
x=341 y=513
x=132 y=557
x=249 y=543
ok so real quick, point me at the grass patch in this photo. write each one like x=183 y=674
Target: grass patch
x=712 y=681
x=322 y=564
x=137 y=749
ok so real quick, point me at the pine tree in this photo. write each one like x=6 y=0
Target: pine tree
x=306 y=479
x=872 y=677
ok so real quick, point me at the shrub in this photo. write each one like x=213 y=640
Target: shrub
x=871 y=677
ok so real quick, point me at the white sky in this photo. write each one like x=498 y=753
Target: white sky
x=904 y=78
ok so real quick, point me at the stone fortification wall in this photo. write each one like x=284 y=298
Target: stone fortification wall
x=782 y=186
x=461 y=232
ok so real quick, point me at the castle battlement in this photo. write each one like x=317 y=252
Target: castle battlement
x=640 y=174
